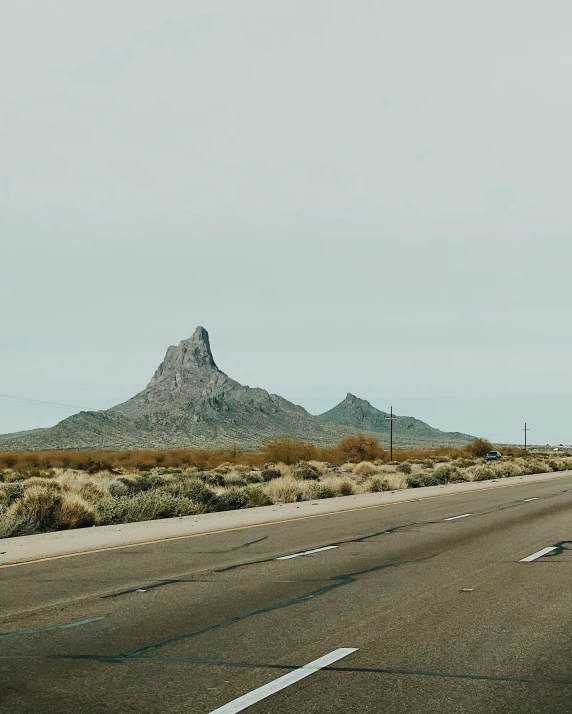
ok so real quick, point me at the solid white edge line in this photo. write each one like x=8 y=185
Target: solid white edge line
x=539 y=554
x=307 y=552
x=454 y=518
x=237 y=705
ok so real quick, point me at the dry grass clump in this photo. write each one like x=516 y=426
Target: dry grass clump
x=284 y=490
x=363 y=468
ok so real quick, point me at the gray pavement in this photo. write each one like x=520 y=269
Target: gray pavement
x=442 y=614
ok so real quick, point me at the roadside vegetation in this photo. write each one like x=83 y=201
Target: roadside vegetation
x=56 y=490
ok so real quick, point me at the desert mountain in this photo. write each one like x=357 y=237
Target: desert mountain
x=360 y=415
x=188 y=402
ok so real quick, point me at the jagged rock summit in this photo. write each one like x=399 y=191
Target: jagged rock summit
x=189 y=402
x=359 y=415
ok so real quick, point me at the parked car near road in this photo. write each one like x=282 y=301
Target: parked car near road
x=493 y=456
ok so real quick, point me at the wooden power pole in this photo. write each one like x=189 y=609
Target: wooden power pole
x=391 y=419
x=526 y=430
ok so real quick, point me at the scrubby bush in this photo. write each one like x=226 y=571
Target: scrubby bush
x=421 y=480
x=213 y=479
x=560 y=464
x=288 y=450
x=482 y=473
x=375 y=484
x=10 y=492
x=305 y=471
x=445 y=473
x=364 y=468
x=507 y=469
x=231 y=501
x=149 y=505
x=316 y=489
x=256 y=497
x=254 y=477
x=269 y=474
x=427 y=464
x=359 y=447
x=284 y=490
x=479 y=447
x=75 y=513
x=404 y=467
x=117 y=488
x=533 y=466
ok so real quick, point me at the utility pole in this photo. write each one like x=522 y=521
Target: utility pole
x=391 y=418
x=526 y=429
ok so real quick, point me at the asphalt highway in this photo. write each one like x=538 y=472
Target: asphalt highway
x=455 y=604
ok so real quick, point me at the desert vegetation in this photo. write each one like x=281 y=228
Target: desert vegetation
x=47 y=491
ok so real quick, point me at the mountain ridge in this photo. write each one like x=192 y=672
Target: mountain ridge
x=190 y=402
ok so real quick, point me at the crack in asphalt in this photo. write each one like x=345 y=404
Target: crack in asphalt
x=337 y=581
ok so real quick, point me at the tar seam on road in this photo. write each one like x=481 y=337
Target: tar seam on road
x=257 y=695
x=307 y=552
x=538 y=554
x=337 y=581
x=51 y=629
x=456 y=518
x=261 y=525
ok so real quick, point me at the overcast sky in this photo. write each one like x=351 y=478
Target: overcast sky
x=370 y=197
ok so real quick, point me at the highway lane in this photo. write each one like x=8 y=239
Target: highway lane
x=442 y=614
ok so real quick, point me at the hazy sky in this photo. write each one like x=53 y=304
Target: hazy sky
x=370 y=196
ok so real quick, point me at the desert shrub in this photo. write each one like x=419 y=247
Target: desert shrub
x=75 y=512
x=149 y=505
x=17 y=524
x=38 y=503
x=560 y=464
x=375 y=484
x=284 y=490
x=507 y=469
x=445 y=473
x=224 y=468
x=404 y=467
x=213 y=479
x=421 y=480
x=91 y=491
x=463 y=463
x=459 y=477
x=256 y=497
x=269 y=474
x=253 y=477
x=231 y=501
x=359 y=447
x=364 y=468
x=288 y=450
x=117 y=488
x=316 y=489
x=305 y=471
x=322 y=466
x=192 y=490
x=10 y=492
x=482 y=473
x=533 y=466
x=427 y=464
x=479 y=447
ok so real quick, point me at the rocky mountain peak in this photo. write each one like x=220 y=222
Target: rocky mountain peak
x=185 y=361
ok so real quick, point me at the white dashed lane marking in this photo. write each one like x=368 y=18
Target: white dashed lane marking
x=539 y=554
x=307 y=552
x=257 y=695
x=455 y=518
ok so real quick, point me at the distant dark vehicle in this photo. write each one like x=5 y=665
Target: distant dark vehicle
x=493 y=456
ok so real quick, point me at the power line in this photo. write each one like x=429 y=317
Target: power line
x=49 y=404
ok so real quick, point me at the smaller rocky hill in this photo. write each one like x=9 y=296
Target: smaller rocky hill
x=359 y=415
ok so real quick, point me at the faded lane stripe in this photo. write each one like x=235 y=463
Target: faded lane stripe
x=538 y=554
x=307 y=552
x=455 y=518
x=79 y=623
x=526 y=500
x=257 y=695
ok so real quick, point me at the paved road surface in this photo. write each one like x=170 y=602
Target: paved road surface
x=409 y=612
